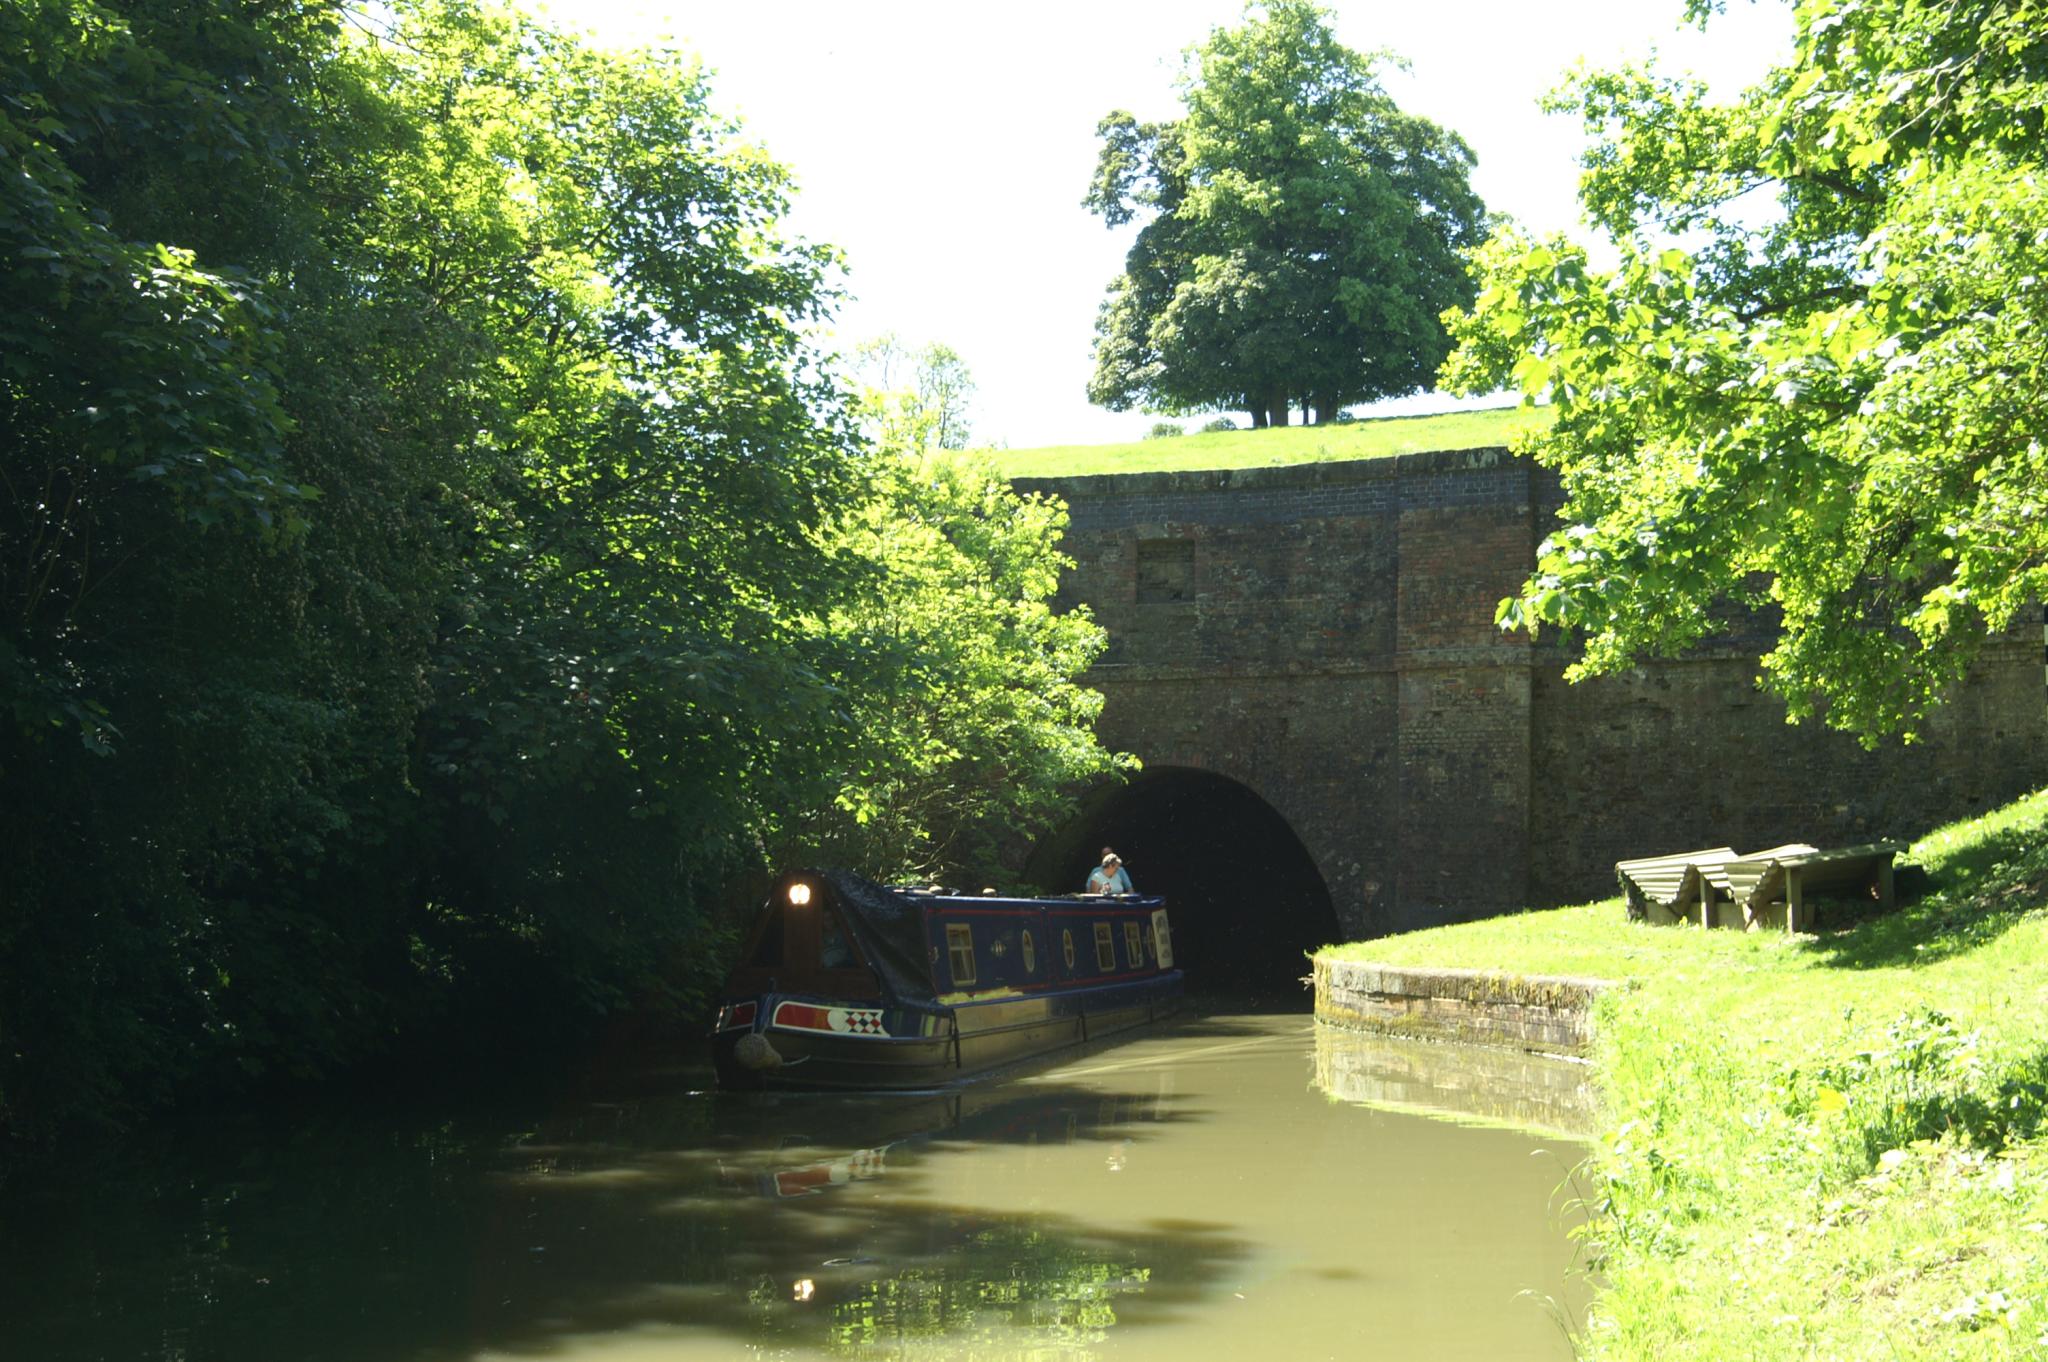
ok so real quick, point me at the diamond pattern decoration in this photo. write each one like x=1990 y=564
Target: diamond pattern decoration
x=859 y=1021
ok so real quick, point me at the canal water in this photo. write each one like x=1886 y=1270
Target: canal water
x=1227 y=1187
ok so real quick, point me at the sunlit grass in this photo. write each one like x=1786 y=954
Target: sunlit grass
x=1827 y=1146
x=1288 y=445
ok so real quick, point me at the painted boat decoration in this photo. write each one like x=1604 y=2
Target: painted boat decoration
x=844 y=983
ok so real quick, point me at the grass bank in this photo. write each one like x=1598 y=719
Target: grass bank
x=1286 y=445
x=1828 y=1146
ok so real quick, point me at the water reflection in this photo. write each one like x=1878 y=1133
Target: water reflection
x=1186 y=1194
x=1541 y=1093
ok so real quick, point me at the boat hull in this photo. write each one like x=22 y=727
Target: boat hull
x=959 y=1043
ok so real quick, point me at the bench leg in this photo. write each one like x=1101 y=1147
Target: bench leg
x=1795 y=906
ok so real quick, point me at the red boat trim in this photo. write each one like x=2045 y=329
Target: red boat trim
x=864 y=1023
x=803 y=1017
x=803 y=1181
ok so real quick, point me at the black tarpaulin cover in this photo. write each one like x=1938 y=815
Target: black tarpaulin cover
x=890 y=930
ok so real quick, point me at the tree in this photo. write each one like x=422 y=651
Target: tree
x=970 y=726
x=201 y=686
x=1304 y=232
x=1816 y=383
x=435 y=570
x=623 y=694
x=913 y=398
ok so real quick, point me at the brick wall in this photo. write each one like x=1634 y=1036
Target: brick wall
x=1324 y=634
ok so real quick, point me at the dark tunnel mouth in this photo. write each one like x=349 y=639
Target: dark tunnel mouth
x=1248 y=901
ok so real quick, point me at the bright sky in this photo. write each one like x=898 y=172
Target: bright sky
x=944 y=145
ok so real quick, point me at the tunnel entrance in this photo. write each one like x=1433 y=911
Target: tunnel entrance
x=1246 y=897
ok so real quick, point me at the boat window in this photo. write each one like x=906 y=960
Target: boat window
x=1134 y=945
x=960 y=951
x=1105 y=948
x=1067 y=946
x=1162 y=940
x=1030 y=953
x=768 y=950
x=834 y=950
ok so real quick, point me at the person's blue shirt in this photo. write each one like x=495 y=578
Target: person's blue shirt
x=1103 y=880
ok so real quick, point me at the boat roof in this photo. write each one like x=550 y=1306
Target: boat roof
x=889 y=924
x=1067 y=903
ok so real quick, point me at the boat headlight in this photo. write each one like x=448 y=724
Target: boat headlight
x=799 y=894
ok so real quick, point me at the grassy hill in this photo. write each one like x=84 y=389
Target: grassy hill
x=1830 y=1146
x=1289 y=444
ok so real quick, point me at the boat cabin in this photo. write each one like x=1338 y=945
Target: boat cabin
x=809 y=939
x=957 y=980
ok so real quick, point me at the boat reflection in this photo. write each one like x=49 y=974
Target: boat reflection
x=1032 y=1117
x=810 y=1179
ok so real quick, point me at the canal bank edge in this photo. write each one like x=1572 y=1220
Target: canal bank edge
x=1541 y=1013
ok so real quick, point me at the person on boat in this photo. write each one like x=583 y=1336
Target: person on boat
x=1110 y=877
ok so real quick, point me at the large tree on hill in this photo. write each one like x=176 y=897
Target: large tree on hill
x=1304 y=232
x=1833 y=400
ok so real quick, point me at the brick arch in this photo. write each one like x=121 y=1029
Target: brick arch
x=1247 y=895
x=1271 y=737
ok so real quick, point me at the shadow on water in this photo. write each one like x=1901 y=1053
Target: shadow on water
x=785 y=1222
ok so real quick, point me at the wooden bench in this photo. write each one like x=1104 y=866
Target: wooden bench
x=1718 y=887
x=1771 y=886
x=1675 y=888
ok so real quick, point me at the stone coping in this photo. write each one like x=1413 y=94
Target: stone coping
x=1539 y=1013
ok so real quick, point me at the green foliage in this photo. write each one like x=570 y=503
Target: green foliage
x=964 y=730
x=913 y=398
x=646 y=454
x=169 y=617
x=130 y=372
x=1828 y=400
x=1303 y=231
x=1165 y=430
x=486 y=728
x=968 y=728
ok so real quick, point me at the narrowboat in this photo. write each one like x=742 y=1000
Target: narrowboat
x=844 y=983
